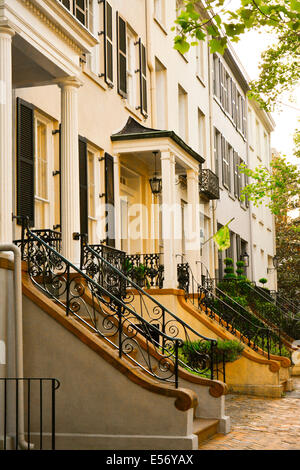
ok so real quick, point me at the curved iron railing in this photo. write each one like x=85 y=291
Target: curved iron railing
x=285 y=303
x=97 y=267
x=236 y=319
x=264 y=305
x=112 y=317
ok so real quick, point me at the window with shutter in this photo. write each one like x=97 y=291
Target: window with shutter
x=83 y=184
x=108 y=43
x=143 y=79
x=240 y=179
x=235 y=171
x=233 y=91
x=109 y=200
x=217 y=144
x=225 y=162
x=122 y=55
x=25 y=160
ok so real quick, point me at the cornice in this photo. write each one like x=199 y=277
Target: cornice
x=35 y=7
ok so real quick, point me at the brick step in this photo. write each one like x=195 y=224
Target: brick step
x=205 y=428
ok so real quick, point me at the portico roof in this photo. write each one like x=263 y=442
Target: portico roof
x=133 y=130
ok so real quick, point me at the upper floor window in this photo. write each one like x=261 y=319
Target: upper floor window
x=131 y=68
x=159 y=11
x=200 y=68
x=82 y=10
x=182 y=113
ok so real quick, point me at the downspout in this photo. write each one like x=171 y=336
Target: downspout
x=18 y=335
x=150 y=62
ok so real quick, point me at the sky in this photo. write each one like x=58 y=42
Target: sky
x=249 y=50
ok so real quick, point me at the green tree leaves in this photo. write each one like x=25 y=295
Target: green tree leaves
x=280 y=66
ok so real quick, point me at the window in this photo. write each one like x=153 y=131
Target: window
x=41 y=175
x=92 y=220
x=82 y=10
x=257 y=137
x=200 y=64
x=182 y=112
x=228 y=104
x=159 y=11
x=161 y=95
x=250 y=127
x=216 y=74
x=236 y=174
x=225 y=163
x=223 y=89
x=131 y=69
x=217 y=150
x=266 y=149
x=201 y=134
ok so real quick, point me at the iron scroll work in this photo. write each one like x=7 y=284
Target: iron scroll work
x=140 y=328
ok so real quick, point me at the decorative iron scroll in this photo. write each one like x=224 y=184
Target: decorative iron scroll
x=143 y=331
x=209 y=184
x=158 y=318
x=51 y=237
x=236 y=319
x=145 y=269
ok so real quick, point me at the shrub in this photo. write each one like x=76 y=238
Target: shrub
x=263 y=280
x=229 y=270
x=195 y=353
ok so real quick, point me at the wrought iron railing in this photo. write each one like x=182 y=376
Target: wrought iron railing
x=235 y=318
x=158 y=317
x=285 y=304
x=209 y=184
x=287 y=322
x=51 y=237
x=39 y=416
x=146 y=270
x=114 y=318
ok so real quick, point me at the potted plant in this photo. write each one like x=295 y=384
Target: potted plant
x=140 y=275
x=240 y=265
x=229 y=270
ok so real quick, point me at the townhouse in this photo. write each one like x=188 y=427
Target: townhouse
x=107 y=130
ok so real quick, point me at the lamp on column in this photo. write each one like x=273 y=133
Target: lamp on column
x=245 y=257
x=275 y=264
x=155 y=182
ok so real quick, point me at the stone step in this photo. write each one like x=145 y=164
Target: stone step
x=205 y=428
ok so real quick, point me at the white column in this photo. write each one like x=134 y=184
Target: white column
x=117 y=201
x=6 y=35
x=168 y=218
x=70 y=199
x=193 y=219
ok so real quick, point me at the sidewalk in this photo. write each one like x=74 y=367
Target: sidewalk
x=261 y=423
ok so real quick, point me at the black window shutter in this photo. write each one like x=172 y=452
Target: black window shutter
x=108 y=42
x=110 y=200
x=122 y=55
x=143 y=79
x=83 y=184
x=25 y=160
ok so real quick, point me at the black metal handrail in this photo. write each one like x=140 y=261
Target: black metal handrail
x=100 y=310
x=11 y=388
x=97 y=267
x=235 y=318
x=286 y=322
